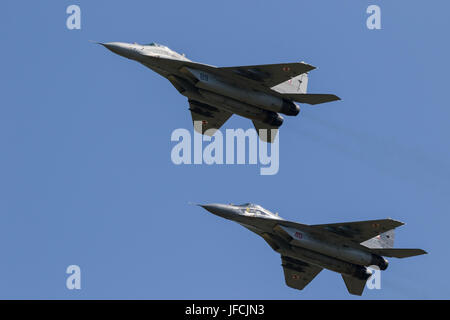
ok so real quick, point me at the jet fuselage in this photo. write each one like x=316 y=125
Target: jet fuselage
x=302 y=242
x=199 y=82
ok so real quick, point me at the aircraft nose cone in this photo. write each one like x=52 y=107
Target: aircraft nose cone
x=213 y=208
x=118 y=48
x=112 y=46
x=218 y=209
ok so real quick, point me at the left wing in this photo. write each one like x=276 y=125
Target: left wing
x=207 y=116
x=361 y=231
x=269 y=75
x=297 y=273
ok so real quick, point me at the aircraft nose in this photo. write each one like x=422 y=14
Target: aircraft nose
x=221 y=210
x=119 y=48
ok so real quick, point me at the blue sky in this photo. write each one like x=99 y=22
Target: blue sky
x=85 y=170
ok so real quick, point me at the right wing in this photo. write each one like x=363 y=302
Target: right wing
x=266 y=133
x=297 y=273
x=268 y=75
x=207 y=116
x=360 y=231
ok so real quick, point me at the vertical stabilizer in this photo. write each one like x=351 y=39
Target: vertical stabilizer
x=298 y=84
x=383 y=240
x=354 y=285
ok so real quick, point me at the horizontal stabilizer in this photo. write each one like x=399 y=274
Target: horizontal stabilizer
x=311 y=98
x=398 y=253
x=354 y=285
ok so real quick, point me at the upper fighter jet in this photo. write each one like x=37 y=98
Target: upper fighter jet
x=257 y=92
x=347 y=248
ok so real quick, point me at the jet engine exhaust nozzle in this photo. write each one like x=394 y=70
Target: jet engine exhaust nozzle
x=380 y=262
x=290 y=108
x=274 y=119
x=362 y=273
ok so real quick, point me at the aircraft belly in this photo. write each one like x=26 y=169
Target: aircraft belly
x=305 y=240
x=187 y=89
x=322 y=260
x=265 y=228
x=212 y=83
x=241 y=108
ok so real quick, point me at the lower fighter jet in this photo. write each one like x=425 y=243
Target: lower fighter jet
x=347 y=248
x=259 y=92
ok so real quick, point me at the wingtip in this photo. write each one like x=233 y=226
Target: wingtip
x=400 y=223
x=310 y=66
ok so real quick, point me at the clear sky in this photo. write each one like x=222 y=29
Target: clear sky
x=85 y=170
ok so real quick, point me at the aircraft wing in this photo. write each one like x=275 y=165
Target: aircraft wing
x=209 y=116
x=360 y=231
x=268 y=75
x=298 y=274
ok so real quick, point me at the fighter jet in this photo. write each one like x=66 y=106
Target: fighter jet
x=347 y=248
x=259 y=92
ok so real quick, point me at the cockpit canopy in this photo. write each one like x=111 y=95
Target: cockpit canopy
x=250 y=205
x=255 y=209
x=154 y=44
x=162 y=50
